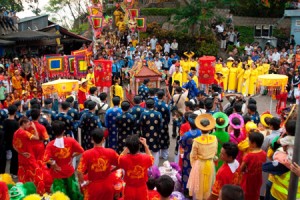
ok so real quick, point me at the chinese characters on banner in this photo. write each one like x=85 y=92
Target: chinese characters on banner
x=207 y=69
x=103 y=73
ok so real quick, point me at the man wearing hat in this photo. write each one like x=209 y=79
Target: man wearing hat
x=14 y=66
x=90 y=77
x=88 y=122
x=17 y=82
x=222 y=122
x=82 y=93
x=202 y=155
x=125 y=124
x=136 y=111
x=162 y=107
x=151 y=126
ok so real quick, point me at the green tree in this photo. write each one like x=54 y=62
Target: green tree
x=254 y=8
x=75 y=8
x=16 y=5
x=195 y=13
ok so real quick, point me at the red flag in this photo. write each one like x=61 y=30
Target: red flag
x=103 y=73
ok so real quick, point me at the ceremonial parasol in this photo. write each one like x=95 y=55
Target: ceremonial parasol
x=60 y=86
x=275 y=83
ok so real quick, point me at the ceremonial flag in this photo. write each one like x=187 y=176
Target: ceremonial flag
x=103 y=73
x=207 y=69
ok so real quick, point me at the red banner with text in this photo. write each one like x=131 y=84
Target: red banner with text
x=103 y=73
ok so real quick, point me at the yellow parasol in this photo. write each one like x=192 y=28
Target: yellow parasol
x=60 y=86
x=273 y=80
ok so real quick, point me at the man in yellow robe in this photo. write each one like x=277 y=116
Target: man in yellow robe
x=90 y=77
x=177 y=75
x=17 y=82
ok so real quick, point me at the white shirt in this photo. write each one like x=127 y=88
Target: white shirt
x=248 y=50
x=220 y=28
x=95 y=99
x=276 y=56
x=231 y=36
x=153 y=43
x=158 y=64
x=174 y=46
x=167 y=47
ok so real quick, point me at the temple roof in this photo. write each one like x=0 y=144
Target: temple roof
x=143 y=71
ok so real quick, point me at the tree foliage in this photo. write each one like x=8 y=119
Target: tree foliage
x=254 y=8
x=15 y=5
x=195 y=12
x=67 y=9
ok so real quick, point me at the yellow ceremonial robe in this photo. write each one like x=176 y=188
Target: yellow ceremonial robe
x=266 y=68
x=245 y=86
x=225 y=72
x=195 y=78
x=252 y=81
x=232 y=84
x=185 y=70
x=229 y=64
x=260 y=70
x=116 y=90
x=177 y=76
x=240 y=78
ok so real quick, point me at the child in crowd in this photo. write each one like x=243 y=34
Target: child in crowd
x=228 y=173
x=152 y=193
x=136 y=167
x=165 y=186
x=251 y=167
x=231 y=192
x=287 y=142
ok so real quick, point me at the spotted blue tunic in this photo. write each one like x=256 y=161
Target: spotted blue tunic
x=110 y=122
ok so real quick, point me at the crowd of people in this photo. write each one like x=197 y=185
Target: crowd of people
x=222 y=151
x=8 y=21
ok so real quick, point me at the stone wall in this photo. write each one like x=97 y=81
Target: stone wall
x=158 y=19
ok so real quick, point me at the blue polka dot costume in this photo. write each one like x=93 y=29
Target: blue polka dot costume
x=88 y=122
x=125 y=124
x=110 y=122
x=164 y=110
x=186 y=142
x=136 y=112
x=151 y=126
x=143 y=91
x=69 y=125
x=73 y=113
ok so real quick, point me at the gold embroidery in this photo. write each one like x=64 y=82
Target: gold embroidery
x=63 y=153
x=137 y=172
x=100 y=166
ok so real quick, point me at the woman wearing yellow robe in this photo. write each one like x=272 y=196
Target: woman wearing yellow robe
x=246 y=77
x=177 y=75
x=218 y=66
x=116 y=90
x=232 y=84
x=250 y=61
x=185 y=66
x=260 y=68
x=225 y=72
x=230 y=61
x=240 y=74
x=253 y=79
x=266 y=67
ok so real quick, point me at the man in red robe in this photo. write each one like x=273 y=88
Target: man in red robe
x=97 y=163
x=136 y=167
x=29 y=169
x=82 y=93
x=59 y=154
x=228 y=173
x=38 y=145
